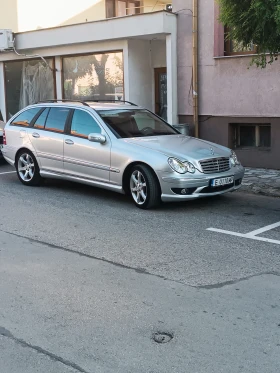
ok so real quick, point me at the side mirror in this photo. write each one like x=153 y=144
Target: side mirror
x=97 y=137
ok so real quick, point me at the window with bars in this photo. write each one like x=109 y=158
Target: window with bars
x=252 y=135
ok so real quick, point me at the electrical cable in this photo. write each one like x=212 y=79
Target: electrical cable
x=31 y=56
x=181 y=10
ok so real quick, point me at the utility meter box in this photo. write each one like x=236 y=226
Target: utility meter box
x=6 y=40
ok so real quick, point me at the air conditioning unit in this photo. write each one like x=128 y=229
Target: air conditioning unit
x=6 y=40
x=168 y=7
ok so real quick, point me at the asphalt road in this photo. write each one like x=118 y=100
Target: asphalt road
x=86 y=279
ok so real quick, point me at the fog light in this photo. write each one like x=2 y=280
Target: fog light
x=183 y=191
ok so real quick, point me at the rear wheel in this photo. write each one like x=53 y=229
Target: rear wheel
x=144 y=187
x=27 y=168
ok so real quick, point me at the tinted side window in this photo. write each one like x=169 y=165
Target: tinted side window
x=25 y=118
x=41 y=120
x=56 y=119
x=83 y=124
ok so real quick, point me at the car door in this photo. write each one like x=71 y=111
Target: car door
x=83 y=158
x=47 y=136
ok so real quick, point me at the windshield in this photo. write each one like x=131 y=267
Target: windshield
x=135 y=123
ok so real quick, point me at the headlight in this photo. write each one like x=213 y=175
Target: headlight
x=181 y=167
x=233 y=158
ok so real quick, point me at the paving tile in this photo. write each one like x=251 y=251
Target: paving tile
x=262 y=181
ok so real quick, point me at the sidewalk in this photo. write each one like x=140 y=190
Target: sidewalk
x=262 y=181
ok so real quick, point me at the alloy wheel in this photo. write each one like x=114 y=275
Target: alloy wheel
x=26 y=167
x=138 y=187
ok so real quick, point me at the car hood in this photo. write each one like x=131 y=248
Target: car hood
x=182 y=147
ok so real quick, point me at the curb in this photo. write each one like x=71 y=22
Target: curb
x=260 y=189
x=261 y=181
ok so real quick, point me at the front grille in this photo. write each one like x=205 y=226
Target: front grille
x=214 y=165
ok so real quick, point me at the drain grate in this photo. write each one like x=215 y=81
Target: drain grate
x=162 y=337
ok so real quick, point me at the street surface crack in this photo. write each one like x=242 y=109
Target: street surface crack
x=6 y=333
x=140 y=270
x=72 y=251
x=228 y=283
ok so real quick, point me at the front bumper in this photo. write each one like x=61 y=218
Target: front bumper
x=197 y=185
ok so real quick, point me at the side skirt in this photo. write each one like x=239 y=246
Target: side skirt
x=98 y=184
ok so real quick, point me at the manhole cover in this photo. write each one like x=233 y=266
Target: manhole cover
x=162 y=337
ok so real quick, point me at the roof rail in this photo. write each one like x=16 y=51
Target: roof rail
x=122 y=101
x=62 y=100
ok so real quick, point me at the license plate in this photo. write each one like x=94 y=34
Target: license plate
x=222 y=181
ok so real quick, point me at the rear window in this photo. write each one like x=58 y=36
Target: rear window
x=56 y=119
x=26 y=117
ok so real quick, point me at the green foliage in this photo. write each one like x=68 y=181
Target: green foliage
x=256 y=21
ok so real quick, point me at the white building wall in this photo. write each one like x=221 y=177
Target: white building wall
x=2 y=92
x=66 y=50
x=9 y=15
x=143 y=57
x=141 y=26
x=158 y=53
x=140 y=73
x=159 y=60
x=58 y=77
x=141 y=38
x=171 y=64
x=94 y=13
x=140 y=58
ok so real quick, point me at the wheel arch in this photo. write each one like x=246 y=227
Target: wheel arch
x=24 y=149
x=126 y=173
x=35 y=178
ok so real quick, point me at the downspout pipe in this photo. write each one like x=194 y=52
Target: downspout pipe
x=195 y=67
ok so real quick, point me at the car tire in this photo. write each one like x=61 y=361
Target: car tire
x=144 y=187
x=27 y=168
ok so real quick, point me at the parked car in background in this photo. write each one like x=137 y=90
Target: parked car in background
x=120 y=147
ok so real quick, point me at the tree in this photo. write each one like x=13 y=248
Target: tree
x=256 y=21
x=74 y=69
x=101 y=73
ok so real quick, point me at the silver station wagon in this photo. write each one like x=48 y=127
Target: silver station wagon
x=118 y=146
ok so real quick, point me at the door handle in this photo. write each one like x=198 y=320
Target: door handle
x=36 y=135
x=69 y=142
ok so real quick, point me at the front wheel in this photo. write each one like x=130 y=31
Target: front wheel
x=144 y=187
x=27 y=168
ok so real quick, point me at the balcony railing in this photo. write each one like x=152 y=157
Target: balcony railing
x=121 y=8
